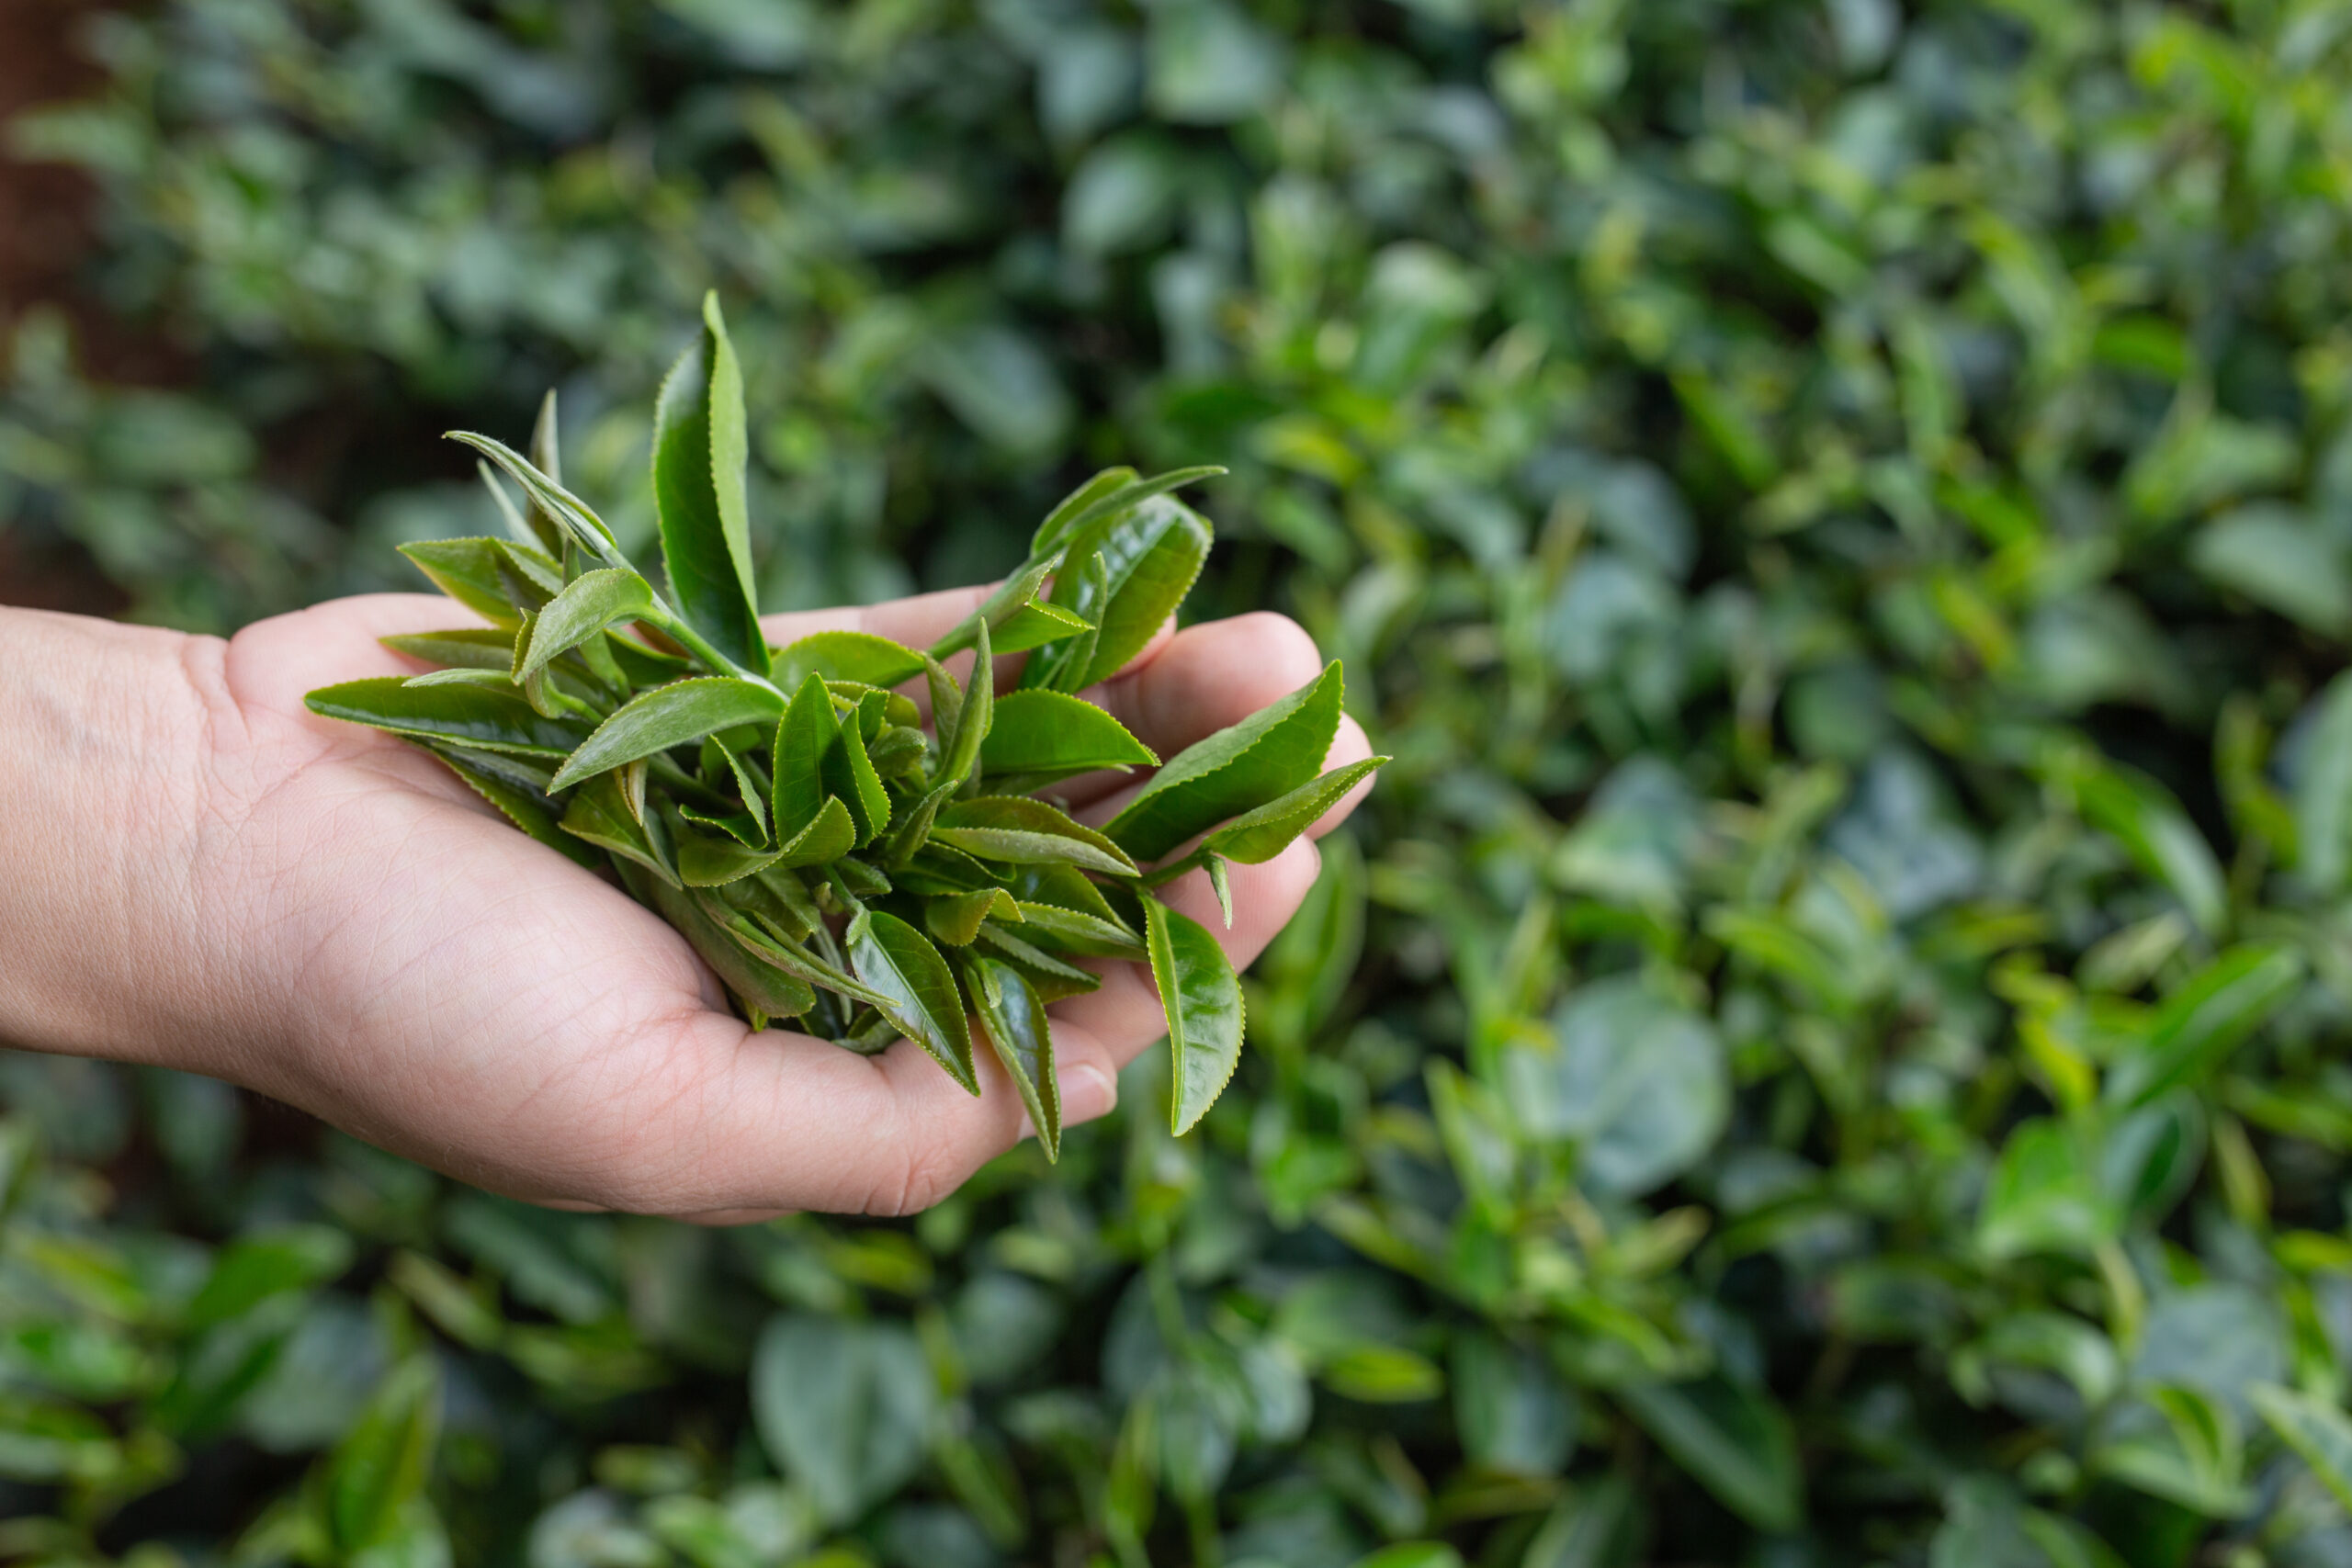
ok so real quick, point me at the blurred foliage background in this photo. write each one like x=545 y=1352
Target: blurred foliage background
x=1823 y=1049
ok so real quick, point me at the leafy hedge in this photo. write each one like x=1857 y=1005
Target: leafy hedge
x=1829 y=1050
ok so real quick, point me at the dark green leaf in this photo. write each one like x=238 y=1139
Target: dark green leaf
x=1260 y=760
x=671 y=715
x=1014 y=1021
x=899 y=963
x=1202 y=999
x=805 y=740
x=699 y=452
x=494 y=718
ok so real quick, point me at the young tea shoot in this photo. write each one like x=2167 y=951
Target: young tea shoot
x=834 y=860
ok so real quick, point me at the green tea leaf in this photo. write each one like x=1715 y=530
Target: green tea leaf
x=547 y=455
x=1054 y=735
x=899 y=963
x=1107 y=496
x=699 y=452
x=850 y=777
x=594 y=601
x=1256 y=836
x=469 y=648
x=671 y=715
x=528 y=809
x=1009 y=827
x=861 y=657
x=1052 y=979
x=585 y=528
x=484 y=574
x=804 y=737
x=1262 y=759
x=598 y=813
x=1035 y=624
x=975 y=714
x=706 y=860
x=494 y=718
x=956 y=917
x=1068 y=930
x=1013 y=1019
x=1149 y=558
x=703 y=925
x=829 y=835
x=1202 y=999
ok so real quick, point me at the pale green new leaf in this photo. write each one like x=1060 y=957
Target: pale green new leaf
x=671 y=715
x=899 y=963
x=1013 y=1019
x=1262 y=759
x=1256 y=836
x=606 y=597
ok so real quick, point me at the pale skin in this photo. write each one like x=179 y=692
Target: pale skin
x=198 y=873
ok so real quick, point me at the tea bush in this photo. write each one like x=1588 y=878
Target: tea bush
x=1824 y=1047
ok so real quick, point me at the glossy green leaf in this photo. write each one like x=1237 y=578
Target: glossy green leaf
x=1013 y=1019
x=1256 y=836
x=699 y=452
x=1237 y=769
x=1009 y=827
x=494 y=718
x=1053 y=735
x=899 y=963
x=1735 y=1441
x=670 y=715
x=711 y=859
x=593 y=601
x=1202 y=1000
x=1150 y=560
x=847 y=656
x=806 y=738
x=1107 y=496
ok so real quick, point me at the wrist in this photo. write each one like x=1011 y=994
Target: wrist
x=105 y=749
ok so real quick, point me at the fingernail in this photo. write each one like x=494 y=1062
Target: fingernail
x=1088 y=1091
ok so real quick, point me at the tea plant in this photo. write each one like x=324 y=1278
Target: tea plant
x=832 y=861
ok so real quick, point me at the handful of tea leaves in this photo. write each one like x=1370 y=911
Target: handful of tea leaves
x=833 y=861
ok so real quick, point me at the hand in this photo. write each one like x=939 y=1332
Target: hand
x=329 y=916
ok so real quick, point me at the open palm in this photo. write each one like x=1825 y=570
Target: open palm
x=413 y=969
